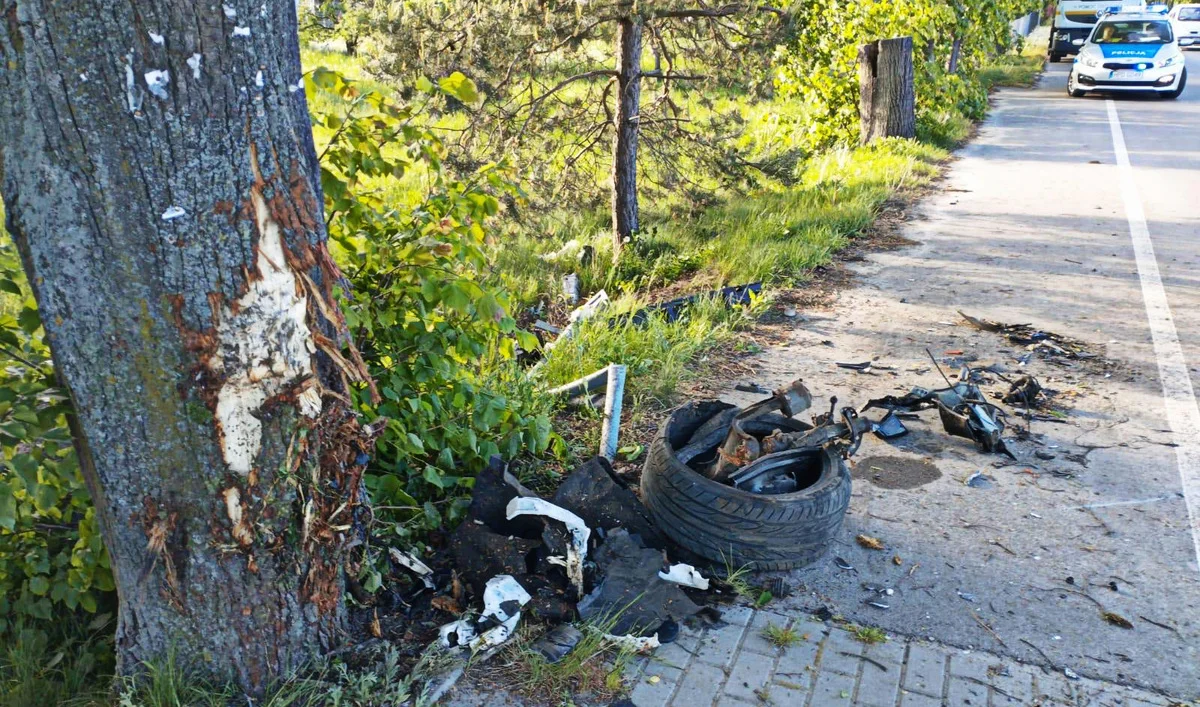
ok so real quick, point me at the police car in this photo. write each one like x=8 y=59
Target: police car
x=1130 y=51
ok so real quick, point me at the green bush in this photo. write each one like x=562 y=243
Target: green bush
x=52 y=560
x=439 y=340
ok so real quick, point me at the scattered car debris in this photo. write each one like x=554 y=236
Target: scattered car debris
x=686 y=575
x=576 y=549
x=869 y=542
x=735 y=296
x=842 y=564
x=963 y=410
x=604 y=502
x=630 y=592
x=979 y=480
x=556 y=643
x=1045 y=343
x=638 y=644
x=406 y=559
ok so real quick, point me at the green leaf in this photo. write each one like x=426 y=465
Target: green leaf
x=10 y=287
x=29 y=320
x=433 y=476
x=8 y=509
x=460 y=87
x=39 y=585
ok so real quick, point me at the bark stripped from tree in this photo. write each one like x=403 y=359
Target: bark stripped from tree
x=161 y=186
x=625 y=144
x=887 y=96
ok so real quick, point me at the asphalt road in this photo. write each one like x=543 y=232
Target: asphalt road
x=1042 y=219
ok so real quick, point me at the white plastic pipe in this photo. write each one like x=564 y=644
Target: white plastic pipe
x=611 y=430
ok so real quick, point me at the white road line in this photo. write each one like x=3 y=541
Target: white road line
x=1180 y=400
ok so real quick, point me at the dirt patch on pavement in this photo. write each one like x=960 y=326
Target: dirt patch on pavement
x=888 y=472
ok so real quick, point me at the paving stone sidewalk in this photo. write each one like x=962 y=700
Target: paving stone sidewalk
x=734 y=666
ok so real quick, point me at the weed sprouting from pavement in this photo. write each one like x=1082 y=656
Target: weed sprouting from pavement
x=867 y=634
x=781 y=636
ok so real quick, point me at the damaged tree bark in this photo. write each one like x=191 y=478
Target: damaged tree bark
x=161 y=187
x=887 y=97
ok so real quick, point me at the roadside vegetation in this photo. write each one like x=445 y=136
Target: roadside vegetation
x=453 y=243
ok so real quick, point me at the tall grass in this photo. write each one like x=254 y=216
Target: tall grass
x=660 y=355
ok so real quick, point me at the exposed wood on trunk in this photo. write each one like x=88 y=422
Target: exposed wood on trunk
x=161 y=187
x=625 y=144
x=887 y=97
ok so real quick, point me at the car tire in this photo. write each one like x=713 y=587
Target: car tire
x=1172 y=95
x=728 y=526
x=1071 y=90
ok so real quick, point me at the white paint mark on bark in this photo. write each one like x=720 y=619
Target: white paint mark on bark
x=173 y=213
x=241 y=31
x=157 y=82
x=265 y=347
x=156 y=38
x=230 y=13
x=295 y=87
x=194 y=63
x=133 y=92
x=258 y=79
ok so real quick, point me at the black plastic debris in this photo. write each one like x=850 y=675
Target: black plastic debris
x=480 y=554
x=890 y=427
x=556 y=643
x=595 y=494
x=630 y=589
x=494 y=488
x=673 y=309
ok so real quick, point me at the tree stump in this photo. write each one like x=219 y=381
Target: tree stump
x=887 y=98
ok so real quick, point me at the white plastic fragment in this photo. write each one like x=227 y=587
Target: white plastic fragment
x=241 y=31
x=157 y=81
x=156 y=38
x=498 y=597
x=230 y=13
x=577 y=550
x=457 y=633
x=194 y=62
x=172 y=213
x=640 y=644
x=410 y=561
x=686 y=575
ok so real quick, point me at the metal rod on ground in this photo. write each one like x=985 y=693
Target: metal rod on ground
x=581 y=386
x=612 y=411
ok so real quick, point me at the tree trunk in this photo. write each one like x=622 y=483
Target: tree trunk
x=161 y=186
x=887 y=97
x=625 y=145
x=955 y=51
